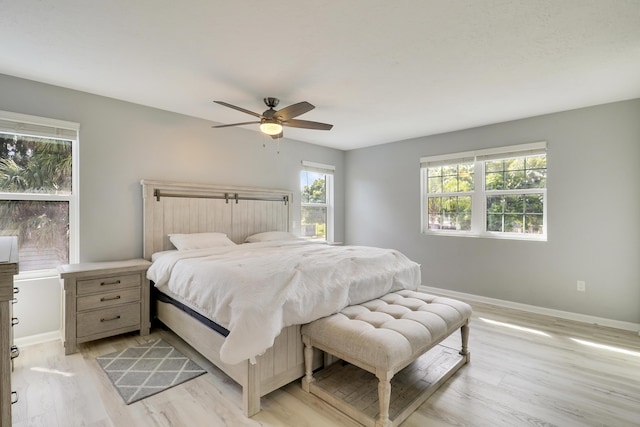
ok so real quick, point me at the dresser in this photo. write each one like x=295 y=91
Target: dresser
x=102 y=299
x=8 y=268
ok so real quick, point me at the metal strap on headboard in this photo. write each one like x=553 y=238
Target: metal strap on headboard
x=227 y=196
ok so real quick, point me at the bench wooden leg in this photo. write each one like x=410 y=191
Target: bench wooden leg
x=384 y=398
x=464 y=331
x=308 y=363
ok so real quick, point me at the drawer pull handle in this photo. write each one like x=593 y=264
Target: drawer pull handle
x=15 y=352
x=14 y=301
x=115 y=282
x=109 y=319
x=14 y=321
x=110 y=298
x=16 y=290
x=14 y=397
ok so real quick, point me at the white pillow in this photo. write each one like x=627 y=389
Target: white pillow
x=268 y=236
x=156 y=255
x=185 y=242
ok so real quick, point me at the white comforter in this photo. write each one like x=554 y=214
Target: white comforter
x=254 y=290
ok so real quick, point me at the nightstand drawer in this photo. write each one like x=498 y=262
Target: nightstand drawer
x=108 y=299
x=95 y=322
x=107 y=284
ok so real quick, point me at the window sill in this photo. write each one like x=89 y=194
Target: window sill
x=37 y=274
x=497 y=236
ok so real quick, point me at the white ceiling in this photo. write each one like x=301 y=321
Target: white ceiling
x=380 y=71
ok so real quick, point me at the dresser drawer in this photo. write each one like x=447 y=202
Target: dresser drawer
x=107 y=284
x=108 y=299
x=98 y=321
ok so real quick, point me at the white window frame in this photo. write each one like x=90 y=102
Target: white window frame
x=479 y=194
x=329 y=171
x=27 y=125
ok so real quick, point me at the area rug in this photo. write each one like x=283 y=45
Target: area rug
x=147 y=369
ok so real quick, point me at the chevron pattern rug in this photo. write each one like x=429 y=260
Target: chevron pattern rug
x=147 y=369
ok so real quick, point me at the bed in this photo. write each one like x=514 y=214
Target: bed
x=272 y=357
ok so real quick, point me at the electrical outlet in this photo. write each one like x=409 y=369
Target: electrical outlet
x=582 y=286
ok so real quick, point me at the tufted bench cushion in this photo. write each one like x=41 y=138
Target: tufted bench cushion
x=385 y=335
x=392 y=330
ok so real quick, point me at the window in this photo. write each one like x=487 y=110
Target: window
x=491 y=193
x=316 y=210
x=38 y=191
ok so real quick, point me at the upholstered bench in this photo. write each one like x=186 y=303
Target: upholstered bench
x=383 y=336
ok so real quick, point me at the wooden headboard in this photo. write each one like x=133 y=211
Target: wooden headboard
x=174 y=207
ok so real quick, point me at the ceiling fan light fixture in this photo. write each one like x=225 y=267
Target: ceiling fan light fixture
x=270 y=127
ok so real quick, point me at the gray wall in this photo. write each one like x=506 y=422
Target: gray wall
x=593 y=213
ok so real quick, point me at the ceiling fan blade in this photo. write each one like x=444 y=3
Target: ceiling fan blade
x=293 y=111
x=235 y=124
x=307 y=124
x=239 y=109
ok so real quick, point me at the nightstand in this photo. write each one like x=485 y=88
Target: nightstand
x=102 y=299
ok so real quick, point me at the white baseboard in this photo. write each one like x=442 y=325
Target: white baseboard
x=567 y=315
x=37 y=339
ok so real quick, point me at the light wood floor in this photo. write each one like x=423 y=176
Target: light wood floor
x=538 y=376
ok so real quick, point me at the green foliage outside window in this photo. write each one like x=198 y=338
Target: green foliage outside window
x=451 y=211
x=517 y=173
x=314 y=218
x=36 y=166
x=516 y=213
x=450 y=188
x=316 y=192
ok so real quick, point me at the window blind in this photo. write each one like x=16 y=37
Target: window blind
x=446 y=161
x=318 y=167
x=515 y=151
x=23 y=124
x=531 y=149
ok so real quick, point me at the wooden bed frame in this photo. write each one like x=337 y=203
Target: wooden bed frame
x=172 y=207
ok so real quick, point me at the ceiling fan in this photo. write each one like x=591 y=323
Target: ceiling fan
x=272 y=121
